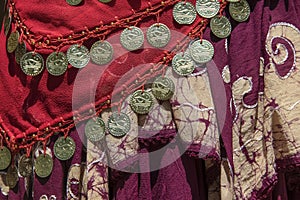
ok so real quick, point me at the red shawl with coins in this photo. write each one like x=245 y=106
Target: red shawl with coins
x=236 y=119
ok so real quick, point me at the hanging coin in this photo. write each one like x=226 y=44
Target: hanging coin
x=158 y=35
x=118 y=124
x=7 y=22
x=78 y=56
x=239 y=11
x=32 y=63
x=95 y=129
x=74 y=2
x=13 y=41
x=101 y=52
x=184 y=13
x=57 y=63
x=5 y=156
x=64 y=148
x=220 y=26
x=207 y=8
x=25 y=166
x=105 y=1
x=182 y=64
x=20 y=51
x=12 y=177
x=141 y=102
x=201 y=52
x=163 y=88
x=43 y=165
x=132 y=38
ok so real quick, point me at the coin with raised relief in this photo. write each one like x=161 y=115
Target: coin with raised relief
x=118 y=124
x=32 y=63
x=12 y=177
x=239 y=11
x=57 y=63
x=132 y=38
x=163 y=88
x=43 y=165
x=158 y=35
x=183 y=64
x=141 y=102
x=25 y=166
x=74 y=2
x=101 y=52
x=201 y=51
x=64 y=148
x=95 y=129
x=78 y=56
x=5 y=156
x=7 y=22
x=105 y=1
x=184 y=13
x=207 y=8
x=220 y=26
x=20 y=51
x=12 y=41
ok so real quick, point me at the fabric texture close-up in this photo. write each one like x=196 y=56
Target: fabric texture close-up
x=149 y=99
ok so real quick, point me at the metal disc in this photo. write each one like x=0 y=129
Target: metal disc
x=182 y=64
x=20 y=51
x=43 y=165
x=118 y=124
x=74 y=2
x=141 y=102
x=32 y=63
x=101 y=52
x=220 y=26
x=5 y=156
x=12 y=177
x=163 y=88
x=7 y=22
x=78 y=56
x=132 y=38
x=158 y=35
x=105 y=1
x=12 y=41
x=239 y=11
x=184 y=13
x=57 y=63
x=207 y=8
x=25 y=166
x=64 y=148
x=201 y=52
x=95 y=129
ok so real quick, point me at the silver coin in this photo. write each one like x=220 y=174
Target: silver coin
x=32 y=63
x=201 y=52
x=118 y=124
x=207 y=8
x=158 y=35
x=12 y=41
x=78 y=56
x=163 y=88
x=220 y=26
x=239 y=11
x=132 y=38
x=57 y=63
x=95 y=129
x=101 y=52
x=74 y=2
x=141 y=102
x=182 y=64
x=25 y=166
x=20 y=51
x=184 y=13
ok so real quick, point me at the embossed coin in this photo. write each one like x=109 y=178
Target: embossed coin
x=101 y=52
x=184 y=13
x=239 y=11
x=64 y=148
x=12 y=177
x=207 y=8
x=158 y=35
x=95 y=129
x=132 y=38
x=105 y=1
x=57 y=63
x=25 y=166
x=43 y=165
x=182 y=64
x=20 y=51
x=118 y=124
x=32 y=63
x=163 y=88
x=7 y=23
x=141 y=102
x=74 y=2
x=13 y=41
x=201 y=52
x=78 y=56
x=220 y=26
x=5 y=158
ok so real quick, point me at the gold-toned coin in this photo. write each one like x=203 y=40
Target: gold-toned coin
x=239 y=11
x=163 y=88
x=32 y=64
x=12 y=177
x=20 y=51
x=12 y=41
x=95 y=129
x=64 y=148
x=25 y=166
x=74 y=2
x=220 y=26
x=141 y=102
x=43 y=165
x=5 y=158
